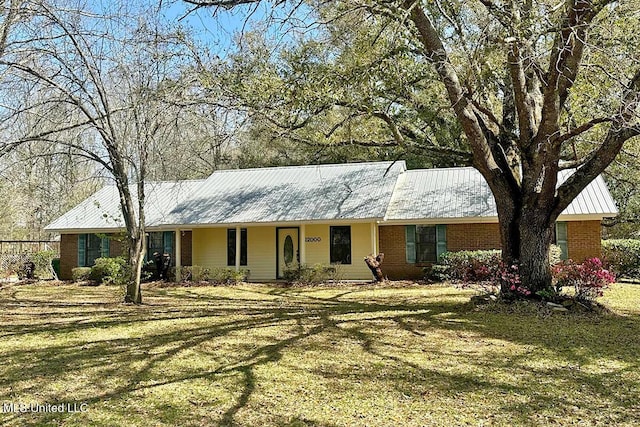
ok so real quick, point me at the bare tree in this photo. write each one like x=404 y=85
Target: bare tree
x=109 y=70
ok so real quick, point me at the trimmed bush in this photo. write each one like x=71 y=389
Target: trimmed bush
x=194 y=273
x=475 y=266
x=622 y=256
x=227 y=276
x=217 y=276
x=109 y=271
x=465 y=266
x=311 y=275
x=80 y=274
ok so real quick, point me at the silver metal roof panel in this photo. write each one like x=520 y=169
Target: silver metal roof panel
x=457 y=193
x=102 y=211
x=295 y=193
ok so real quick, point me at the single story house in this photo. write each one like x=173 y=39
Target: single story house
x=267 y=220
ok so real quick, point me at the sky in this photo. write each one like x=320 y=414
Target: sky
x=220 y=28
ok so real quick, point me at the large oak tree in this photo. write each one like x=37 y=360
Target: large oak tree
x=535 y=86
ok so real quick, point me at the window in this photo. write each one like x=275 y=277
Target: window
x=340 y=251
x=161 y=242
x=560 y=238
x=231 y=246
x=425 y=243
x=91 y=247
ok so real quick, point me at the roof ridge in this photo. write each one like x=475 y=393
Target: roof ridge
x=441 y=169
x=158 y=182
x=386 y=162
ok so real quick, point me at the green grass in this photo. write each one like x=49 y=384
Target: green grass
x=256 y=355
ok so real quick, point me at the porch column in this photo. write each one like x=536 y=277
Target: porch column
x=238 y=248
x=374 y=239
x=303 y=246
x=178 y=255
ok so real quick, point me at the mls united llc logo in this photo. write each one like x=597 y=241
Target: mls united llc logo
x=43 y=408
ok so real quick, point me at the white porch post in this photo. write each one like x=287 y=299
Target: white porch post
x=238 y=248
x=178 y=255
x=303 y=246
x=374 y=239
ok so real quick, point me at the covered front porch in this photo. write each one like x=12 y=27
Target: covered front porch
x=266 y=251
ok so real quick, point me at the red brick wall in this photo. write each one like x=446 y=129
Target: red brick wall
x=187 y=251
x=459 y=237
x=392 y=240
x=462 y=237
x=584 y=240
x=68 y=255
x=69 y=252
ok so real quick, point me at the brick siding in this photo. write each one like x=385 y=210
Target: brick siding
x=69 y=252
x=463 y=237
x=392 y=240
x=584 y=241
x=68 y=255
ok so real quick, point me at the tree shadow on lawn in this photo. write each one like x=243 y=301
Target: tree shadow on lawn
x=239 y=336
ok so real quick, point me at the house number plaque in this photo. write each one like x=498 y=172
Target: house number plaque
x=312 y=239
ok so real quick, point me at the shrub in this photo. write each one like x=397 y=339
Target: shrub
x=79 y=274
x=194 y=273
x=43 y=261
x=475 y=266
x=13 y=263
x=466 y=266
x=227 y=276
x=622 y=256
x=218 y=276
x=311 y=275
x=109 y=271
x=588 y=279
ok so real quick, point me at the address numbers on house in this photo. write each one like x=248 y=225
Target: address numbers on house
x=312 y=239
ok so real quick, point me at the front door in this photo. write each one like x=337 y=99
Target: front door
x=288 y=255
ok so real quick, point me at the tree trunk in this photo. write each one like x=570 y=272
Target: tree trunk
x=136 y=261
x=536 y=234
x=526 y=239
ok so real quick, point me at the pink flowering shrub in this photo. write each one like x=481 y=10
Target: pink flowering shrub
x=508 y=276
x=589 y=279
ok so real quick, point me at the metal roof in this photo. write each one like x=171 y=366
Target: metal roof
x=295 y=193
x=352 y=191
x=457 y=193
x=101 y=211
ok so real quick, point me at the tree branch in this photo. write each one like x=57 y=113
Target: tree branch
x=620 y=131
x=581 y=129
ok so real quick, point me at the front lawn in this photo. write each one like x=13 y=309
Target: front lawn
x=256 y=355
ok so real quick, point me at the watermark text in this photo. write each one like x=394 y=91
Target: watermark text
x=23 y=407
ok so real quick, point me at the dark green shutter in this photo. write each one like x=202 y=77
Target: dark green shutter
x=441 y=239
x=562 y=238
x=105 y=245
x=82 y=250
x=410 y=249
x=167 y=238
